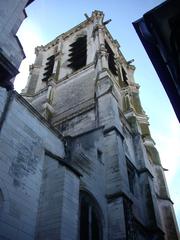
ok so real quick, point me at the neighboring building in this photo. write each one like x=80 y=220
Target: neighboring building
x=12 y=13
x=87 y=167
x=159 y=32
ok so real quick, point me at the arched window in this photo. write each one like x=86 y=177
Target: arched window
x=90 y=218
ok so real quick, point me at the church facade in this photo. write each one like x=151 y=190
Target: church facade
x=78 y=160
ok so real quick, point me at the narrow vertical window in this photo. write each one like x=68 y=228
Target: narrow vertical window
x=99 y=155
x=129 y=220
x=131 y=177
x=111 y=59
x=1 y=200
x=78 y=53
x=49 y=68
x=84 y=220
x=124 y=77
x=95 y=231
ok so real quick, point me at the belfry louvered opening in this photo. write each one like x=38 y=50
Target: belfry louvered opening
x=49 y=68
x=111 y=59
x=78 y=53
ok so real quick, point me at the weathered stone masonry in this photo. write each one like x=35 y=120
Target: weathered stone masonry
x=11 y=51
x=87 y=167
x=99 y=96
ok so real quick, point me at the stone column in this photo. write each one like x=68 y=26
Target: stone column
x=116 y=220
x=59 y=202
x=117 y=185
x=70 y=208
x=151 y=211
x=34 y=71
x=103 y=51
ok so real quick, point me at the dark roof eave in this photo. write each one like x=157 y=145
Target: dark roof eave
x=29 y=2
x=155 y=56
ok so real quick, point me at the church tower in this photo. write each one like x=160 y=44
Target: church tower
x=83 y=85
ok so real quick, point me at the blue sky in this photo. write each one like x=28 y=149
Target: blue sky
x=47 y=19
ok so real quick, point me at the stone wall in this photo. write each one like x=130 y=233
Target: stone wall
x=11 y=17
x=24 y=136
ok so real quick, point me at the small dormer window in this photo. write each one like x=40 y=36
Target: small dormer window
x=48 y=68
x=111 y=59
x=78 y=53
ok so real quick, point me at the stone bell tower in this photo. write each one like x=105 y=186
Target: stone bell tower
x=83 y=85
